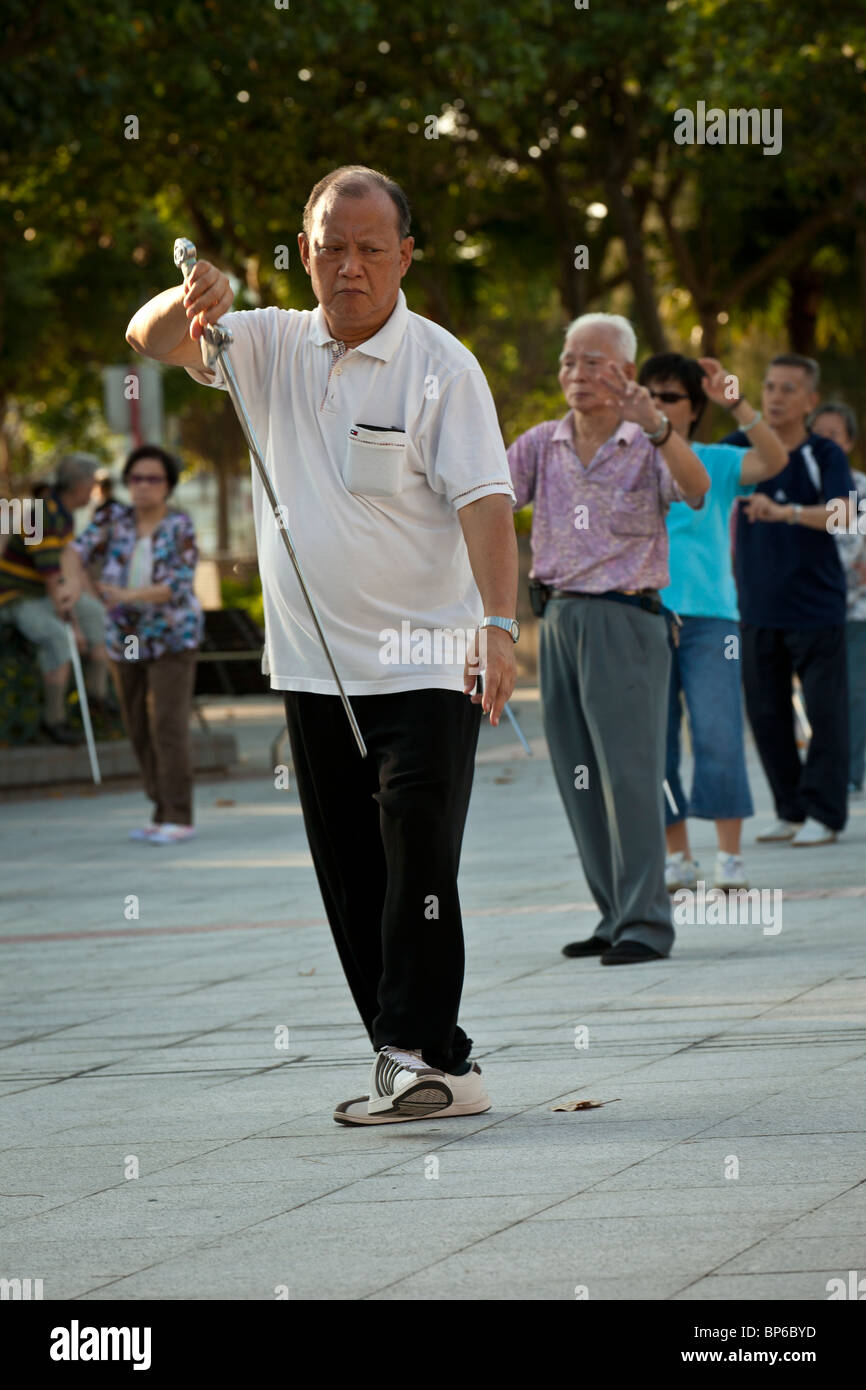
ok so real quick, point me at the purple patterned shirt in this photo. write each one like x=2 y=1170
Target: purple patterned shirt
x=598 y=527
x=173 y=626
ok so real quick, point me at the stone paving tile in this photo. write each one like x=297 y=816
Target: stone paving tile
x=810 y=1286
x=158 y=1040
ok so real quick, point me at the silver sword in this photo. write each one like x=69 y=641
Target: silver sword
x=215 y=342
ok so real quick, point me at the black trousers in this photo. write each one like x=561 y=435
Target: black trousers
x=385 y=834
x=817 y=787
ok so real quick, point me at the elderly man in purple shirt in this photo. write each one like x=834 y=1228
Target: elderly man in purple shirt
x=601 y=480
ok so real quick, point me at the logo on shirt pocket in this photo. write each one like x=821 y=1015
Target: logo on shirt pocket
x=375 y=461
x=635 y=513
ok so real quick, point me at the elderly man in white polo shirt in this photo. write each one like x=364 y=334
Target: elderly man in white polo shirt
x=380 y=435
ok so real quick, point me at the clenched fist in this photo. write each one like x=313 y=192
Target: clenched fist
x=208 y=295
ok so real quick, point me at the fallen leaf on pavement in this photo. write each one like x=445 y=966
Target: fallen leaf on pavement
x=583 y=1104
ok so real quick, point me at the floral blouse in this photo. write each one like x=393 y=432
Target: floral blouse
x=173 y=626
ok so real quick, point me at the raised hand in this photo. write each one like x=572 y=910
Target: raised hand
x=633 y=402
x=208 y=295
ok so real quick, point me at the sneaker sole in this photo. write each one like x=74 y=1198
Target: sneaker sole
x=424 y=1098
x=355 y=1112
x=810 y=844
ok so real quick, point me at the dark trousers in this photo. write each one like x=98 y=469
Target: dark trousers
x=385 y=834
x=817 y=787
x=155 y=700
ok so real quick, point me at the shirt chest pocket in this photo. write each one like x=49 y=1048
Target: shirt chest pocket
x=635 y=513
x=375 y=461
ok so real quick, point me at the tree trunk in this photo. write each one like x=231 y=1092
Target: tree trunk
x=806 y=286
x=646 y=307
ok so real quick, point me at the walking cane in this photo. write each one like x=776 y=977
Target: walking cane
x=215 y=341
x=82 y=701
x=517 y=729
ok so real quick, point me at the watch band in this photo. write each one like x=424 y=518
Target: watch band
x=509 y=625
x=660 y=434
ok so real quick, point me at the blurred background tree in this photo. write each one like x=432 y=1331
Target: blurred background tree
x=553 y=131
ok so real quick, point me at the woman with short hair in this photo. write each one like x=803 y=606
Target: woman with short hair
x=154 y=628
x=706 y=668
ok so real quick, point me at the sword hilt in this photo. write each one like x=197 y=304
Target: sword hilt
x=215 y=337
x=185 y=255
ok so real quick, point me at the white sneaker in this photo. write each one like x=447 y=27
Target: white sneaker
x=680 y=872
x=402 y=1081
x=730 y=872
x=780 y=830
x=470 y=1098
x=169 y=834
x=812 y=832
x=146 y=832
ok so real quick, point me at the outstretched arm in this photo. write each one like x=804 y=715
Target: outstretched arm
x=169 y=326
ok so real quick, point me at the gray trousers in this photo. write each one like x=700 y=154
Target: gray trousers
x=604 y=669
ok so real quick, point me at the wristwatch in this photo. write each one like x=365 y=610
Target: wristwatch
x=796 y=508
x=659 y=433
x=509 y=625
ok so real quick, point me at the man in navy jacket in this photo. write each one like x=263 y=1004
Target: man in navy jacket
x=792 y=602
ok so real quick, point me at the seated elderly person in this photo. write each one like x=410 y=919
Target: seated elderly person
x=41 y=594
x=601 y=480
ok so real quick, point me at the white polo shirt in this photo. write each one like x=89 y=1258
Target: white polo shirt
x=372 y=512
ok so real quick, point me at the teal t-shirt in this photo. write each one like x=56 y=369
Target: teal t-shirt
x=702 y=577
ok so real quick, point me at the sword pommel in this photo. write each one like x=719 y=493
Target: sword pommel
x=185 y=255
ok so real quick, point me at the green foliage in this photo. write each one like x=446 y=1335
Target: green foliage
x=545 y=111
x=244 y=593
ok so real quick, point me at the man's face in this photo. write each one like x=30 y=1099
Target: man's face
x=787 y=396
x=356 y=260
x=831 y=425
x=585 y=352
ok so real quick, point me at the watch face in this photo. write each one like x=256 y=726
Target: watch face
x=515 y=629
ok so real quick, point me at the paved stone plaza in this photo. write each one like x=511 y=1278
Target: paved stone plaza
x=729 y=1163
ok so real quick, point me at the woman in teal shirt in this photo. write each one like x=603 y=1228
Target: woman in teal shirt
x=702 y=591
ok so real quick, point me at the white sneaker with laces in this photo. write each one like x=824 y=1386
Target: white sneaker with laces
x=730 y=872
x=680 y=872
x=170 y=834
x=402 y=1081
x=812 y=832
x=470 y=1098
x=779 y=830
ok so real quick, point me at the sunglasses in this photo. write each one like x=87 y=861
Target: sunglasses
x=669 y=397
x=153 y=478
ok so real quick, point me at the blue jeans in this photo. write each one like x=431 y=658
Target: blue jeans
x=710 y=681
x=855 y=633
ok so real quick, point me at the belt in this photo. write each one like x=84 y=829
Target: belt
x=648 y=599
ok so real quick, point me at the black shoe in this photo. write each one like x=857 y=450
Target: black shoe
x=60 y=733
x=593 y=946
x=630 y=953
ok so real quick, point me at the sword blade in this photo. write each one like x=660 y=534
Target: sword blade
x=214 y=350
x=237 y=399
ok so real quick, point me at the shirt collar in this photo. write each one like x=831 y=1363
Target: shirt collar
x=382 y=345
x=625 y=434
x=64 y=511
